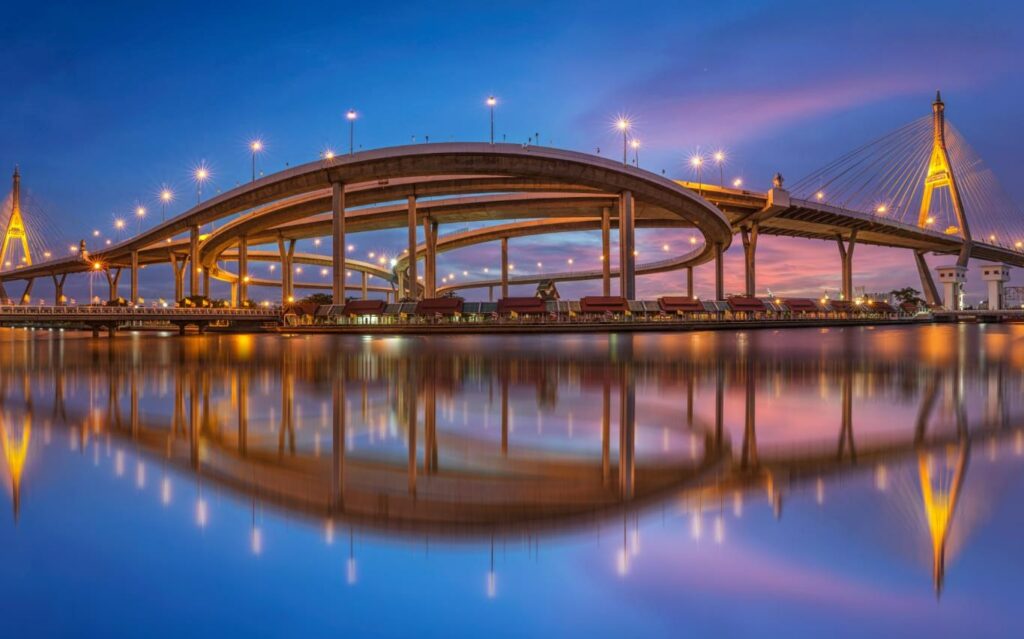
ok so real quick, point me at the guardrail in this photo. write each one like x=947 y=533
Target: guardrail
x=134 y=311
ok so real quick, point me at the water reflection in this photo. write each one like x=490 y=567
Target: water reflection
x=486 y=439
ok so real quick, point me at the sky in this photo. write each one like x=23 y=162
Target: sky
x=105 y=104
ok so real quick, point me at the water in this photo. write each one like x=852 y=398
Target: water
x=798 y=483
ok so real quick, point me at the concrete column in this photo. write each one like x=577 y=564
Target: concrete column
x=606 y=252
x=749 y=235
x=490 y=293
x=412 y=249
x=338 y=242
x=504 y=267
x=365 y=277
x=719 y=273
x=135 y=278
x=286 y=249
x=952 y=279
x=243 y=270
x=627 y=247
x=931 y=294
x=234 y=294
x=689 y=281
x=206 y=282
x=193 y=260
x=26 y=297
x=846 y=255
x=401 y=287
x=113 y=277
x=429 y=257
x=58 y=289
x=995 y=276
x=179 y=263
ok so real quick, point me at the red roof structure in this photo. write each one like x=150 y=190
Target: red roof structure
x=843 y=306
x=880 y=307
x=603 y=304
x=522 y=305
x=364 y=307
x=800 y=305
x=442 y=305
x=746 y=304
x=673 y=304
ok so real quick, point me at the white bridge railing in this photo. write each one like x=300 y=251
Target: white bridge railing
x=132 y=311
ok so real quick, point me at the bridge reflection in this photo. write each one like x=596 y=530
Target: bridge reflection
x=473 y=438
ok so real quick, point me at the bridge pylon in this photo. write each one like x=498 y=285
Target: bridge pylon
x=15 y=231
x=940 y=175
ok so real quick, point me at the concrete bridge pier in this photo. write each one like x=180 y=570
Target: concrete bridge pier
x=846 y=255
x=749 y=235
x=58 y=288
x=242 y=293
x=689 y=281
x=606 y=252
x=429 y=257
x=995 y=276
x=504 y=267
x=412 y=221
x=952 y=278
x=627 y=246
x=193 y=260
x=113 y=277
x=134 y=288
x=206 y=282
x=338 y=242
x=719 y=273
x=364 y=285
x=931 y=294
x=287 y=251
x=26 y=297
x=3 y=293
x=178 y=264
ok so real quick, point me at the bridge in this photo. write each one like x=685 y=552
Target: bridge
x=919 y=188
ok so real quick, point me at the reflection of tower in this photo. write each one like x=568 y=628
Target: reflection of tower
x=940 y=174
x=15 y=452
x=939 y=506
x=15 y=231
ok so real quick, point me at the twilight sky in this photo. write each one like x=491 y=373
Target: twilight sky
x=103 y=105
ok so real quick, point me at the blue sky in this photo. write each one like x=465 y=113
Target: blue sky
x=105 y=104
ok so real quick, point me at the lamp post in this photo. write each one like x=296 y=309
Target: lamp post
x=351 y=115
x=635 y=143
x=623 y=125
x=255 y=146
x=200 y=175
x=165 y=197
x=140 y=212
x=491 y=101
x=720 y=161
x=698 y=164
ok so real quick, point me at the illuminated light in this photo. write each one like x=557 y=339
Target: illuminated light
x=202 y=513
x=199 y=269
x=328 y=532
x=696 y=526
x=635 y=143
x=246 y=279
x=107 y=242
x=351 y=247
x=930 y=220
x=166 y=196
x=487 y=270
x=119 y=224
x=96 y=266
x=348 y=273
x=738 y=182
x=492 y=584
x=119 y=463
x=1019 y=244
x=272 y=267
x=881 y=209
x=622 y=562
x=881 y=478
x=323 y=271
x=382 y=260
x=820 y=195
x=636 y=253
x=511 y=267
x=491 y=101
x=569 y=261
x=201 y=173
x=46 y=254
x=256 y=145
x=372 y=255
x=140 y=211
x=622 y=124
x=291 y=298
x=298 y=269
x=451 y=276
x=140 y=475
x=74 y=249
x=540 y=265
x=664 y=247
x=737 y=504
x=693 y=240
x=719 y=529
x=316 y=242
x=328 y=154
x=696 y=161
x=95 y=233
x=351 y=115
x=165 y=491
x=256 y=541
x=719 y=157
x=991 y=238
x=350 y=571
x=819 y=491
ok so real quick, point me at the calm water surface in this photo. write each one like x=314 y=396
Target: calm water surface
x=778 y=483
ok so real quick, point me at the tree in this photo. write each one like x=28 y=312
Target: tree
x=907 y=294
x=318 y=298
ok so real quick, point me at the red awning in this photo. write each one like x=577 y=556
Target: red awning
x=522 y=305
x=671 y=304
x=800 y=305
x=442 y=305
x=843 y=306
x=603 y=304
x=747 y=304
x=364 y=307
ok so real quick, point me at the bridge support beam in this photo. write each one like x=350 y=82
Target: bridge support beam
x=719 y=273
x=749 y=235
x=627 y=247
x=26 y=297
x=429 y=257
x=689 y=281
x=58 y=289
x=286 y=248
x=931 y=294
x=193 y=260
x=135 y=278
x=606 y=252
x=952 y=278
x=179 y=263
x=338 y=242
x=206 y=282
x=412 y=221
x=995 y=276
x=113 y=277
x=846 y=255
x=504 y=267
x=243 y=270
x=3 y=294
x=364 y=291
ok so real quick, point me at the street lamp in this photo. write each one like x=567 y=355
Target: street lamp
x=491 y=101
x=351 y=115
x=635 y=143
x=737 y=183
x=255 y=146
x=697 y=162
x=200 y=175
x=140 y=212
x=622 y=124
x=720 y=161
x=166 y=195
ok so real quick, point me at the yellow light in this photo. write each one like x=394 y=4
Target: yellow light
x=1019 y=244
x=372 y=255
x=351 y=115
x=930 y=220
x=298 y=269
x=622 y=124
x=246 y=279
x=991 y=238
x=696 y=160
x=119 y=224
x=737 y=183
x=820 y=195
x=693 y=240
x=570 y=261
x=328 y=154
x=256 y=145
x=201 y=174
x=635 y=143
x=664 y=247
x=291 y=298
x=881 y=210
x=323 y=271
x=46 y=254
x=96 y=266
x=166 y=195
x=140 y=211
x=491 y=101
x=719 y=157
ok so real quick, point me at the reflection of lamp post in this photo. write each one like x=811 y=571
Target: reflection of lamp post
x=491 y=101
x=351 y=115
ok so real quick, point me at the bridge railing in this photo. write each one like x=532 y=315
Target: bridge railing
x=94 y=311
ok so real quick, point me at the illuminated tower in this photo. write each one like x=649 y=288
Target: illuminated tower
x=940 y=174
x=15 y=231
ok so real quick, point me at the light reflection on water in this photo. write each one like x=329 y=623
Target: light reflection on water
x=847 y=480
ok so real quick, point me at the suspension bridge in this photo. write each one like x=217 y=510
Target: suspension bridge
x=920 y=188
